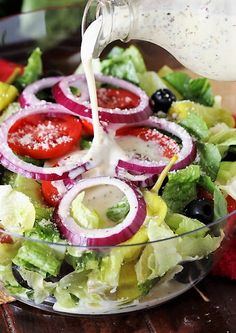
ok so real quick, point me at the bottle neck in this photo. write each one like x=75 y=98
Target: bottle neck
x=117 y=21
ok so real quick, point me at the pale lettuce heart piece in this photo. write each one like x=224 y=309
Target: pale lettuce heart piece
x=17 y=213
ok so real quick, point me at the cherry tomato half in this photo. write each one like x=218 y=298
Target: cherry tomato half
x=44 y=136
x=50 y=193
x=112 y=98
x=170 y=147
x=87 y=127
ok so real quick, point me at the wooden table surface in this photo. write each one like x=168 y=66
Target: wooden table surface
x=188 y=313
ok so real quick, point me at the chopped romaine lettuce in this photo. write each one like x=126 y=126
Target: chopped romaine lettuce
x=41 y=288
x=150 y=82
x=226 y=178
x=71 y=289
x=17 y=213
x=33 y=69
x=8 y=252
x=211 y=115
x=44 y=230
x=181 y=224
x=197 y=90
x=118 y=212
x=84 y=216
x=39 y=257
x=124 y=64
x=210 y=159
x=9 y=281
x=32 y=189
x=196 y=126
x=12 y=108
x=85 y=261
x=223 y=136
x=181 y=188
x=159 y=257
x=220 y=205
x=196 y=247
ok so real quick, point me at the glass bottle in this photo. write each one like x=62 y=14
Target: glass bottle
x=200 y=34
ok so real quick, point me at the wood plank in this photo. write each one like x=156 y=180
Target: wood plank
x=186 y=314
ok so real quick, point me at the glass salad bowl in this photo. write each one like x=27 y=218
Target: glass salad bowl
x=168 y=255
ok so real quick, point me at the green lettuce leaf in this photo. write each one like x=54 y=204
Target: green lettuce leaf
x=41 y=288
x=220 y=204
x=44 y=230
x=191 y=247
x=9 y=282
x=223 y=136
x=33 y=69
x=118 y=212
x=29 y=5
x=211 y=115
x=210 y=159
x=197 y=90
x=17 y=213
x=84 y=216
x=226 y=178
x=196 y=126
x=181 y=224
x=159 y=257
x=40 y=258
x=32 y=189
x=197 y=244
x=150 y=82
x=10 y=110
x=181 y=188
x=124 y=64
x=85 y=261
x=8 y=252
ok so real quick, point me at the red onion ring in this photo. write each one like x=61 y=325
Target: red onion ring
x=28 y=96
x=140 y=180
x=81 y=106
x=13 y=163
x=186 y=156
x=123 y=231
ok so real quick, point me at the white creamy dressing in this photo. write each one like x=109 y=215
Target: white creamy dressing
x=140 y=149
x=100 y=198
x=200 y=34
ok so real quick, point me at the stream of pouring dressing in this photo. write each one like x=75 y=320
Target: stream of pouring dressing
x=104 y=151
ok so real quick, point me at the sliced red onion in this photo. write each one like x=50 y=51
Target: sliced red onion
x=123 y=231
x=141 y=180
x=63 y=95
x=186 y=155
x=28 y=96
x=13 y=163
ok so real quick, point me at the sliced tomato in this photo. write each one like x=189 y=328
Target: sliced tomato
x=87 y=127
x=231 y=225
x=112 y=98
x=170 y=146
x=231 y=204
x=5 y=239
x=44 y=136
x=50 y=193
x=9 y=70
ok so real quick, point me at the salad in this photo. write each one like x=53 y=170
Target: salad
x=85 y=235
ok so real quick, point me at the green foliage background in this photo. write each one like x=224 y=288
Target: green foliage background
x=10 y=7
